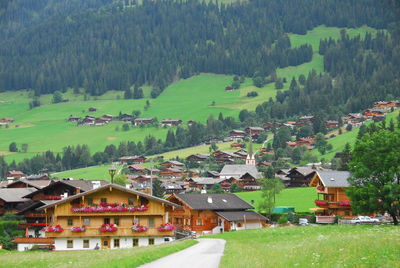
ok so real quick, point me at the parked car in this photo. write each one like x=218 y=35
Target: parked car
x=364 y=220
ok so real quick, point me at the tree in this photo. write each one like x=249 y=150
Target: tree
x=213 y=147
x=57 y=97
x=349 y=127
x=128 y=94
x=302 y=79
x=345 y=158
x=13 y=147
x=125 y=127
x=217 y=189
x=279 y=84
x=375 y=181
x=138 y=93
x=321 y=144
x=158 y=190
x=121 y=179
x=24 y=147
x=234 y=188
x=270 y=188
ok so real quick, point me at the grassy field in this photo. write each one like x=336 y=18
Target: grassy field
x=339 y=142
x=91 y=258
x=313 y=246
x=300 y=198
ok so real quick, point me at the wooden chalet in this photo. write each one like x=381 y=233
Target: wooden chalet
x=143 y=121
x=214 y=213
x=198 y=157
x=254 y=130
x=204 y=183
x=306 y=120
x=224 y=156
x=386 y=104
x=212 y=174
x=74 y=118
x=13 y=200
x=299 y=176
x=125 y=117
x=237 y=145
x=92 y=109
x=331 y=124
x=171 y=122
x=173 y=187
x=134 y=159
x=237 y=134
x=172 y=172
x=331 y=195
x=242 y=154
x=172 y=164
x=245 y=176
x=371 y=112
x=134 y=169
x=15 y=174
x=24 y=183
x=109 y=216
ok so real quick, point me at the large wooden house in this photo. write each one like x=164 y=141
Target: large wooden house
x=109 y=216
x=13 y=200
x=214 y=213
x=299 y=176
x=331 y=196
x=134 y=159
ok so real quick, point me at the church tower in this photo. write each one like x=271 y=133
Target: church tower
x=250 y=159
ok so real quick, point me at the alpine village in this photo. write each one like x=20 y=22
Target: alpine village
x=228 y=133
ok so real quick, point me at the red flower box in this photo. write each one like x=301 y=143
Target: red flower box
x=108 y=228
x=52 y=197
x=321 y=188
x=166 y=227
x=53 y=229
x=78 y=229
x=344 y=203
x=320 y=202
x=139 y=228
x=103 y=208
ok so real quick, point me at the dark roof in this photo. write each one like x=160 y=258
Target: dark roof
x=240 y=215
x=15 y=194
x=214 y=201
x=38 y=184
x=334 y=178
x=115 y=186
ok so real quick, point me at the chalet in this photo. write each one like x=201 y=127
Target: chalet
x=213 y=140
x=92 y=109
x=109 y=216
x=12 y=199
x=109 y=117
x=331 y=124
x=143 y=121
x=213 y=174
x=74 y=118
x=369 y=113
x=331 y=196
x=15 y=174
x=270 y=126
x=152 y=170
x=172 y=164
x=7 y=120
x=214 y=213
x=237 y=134
x=237 y=171
x=88 y=120
x=172 y=187
x=264 y=164
x=378 y=117
x=224 y=156
x=101 y=121
x=299 y=176
x=203 y=183
x=229 y=88
x=171 y=122
x=242 y=154
x=134 y=159
x=172 y=172
x=198 y=157
x=290 y=124
x=308 y=142
x=141 y=178
x=190 y=122
x=254 y=130
x=248 y=182
x=29 y=183
x=306 y=120
x=137 y=169
x=41 y=176
x=237 y=145
x=195 y=173
x=386 y=104
x=125 y=117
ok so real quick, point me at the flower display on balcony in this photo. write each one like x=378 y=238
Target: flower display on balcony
x=77 y=229
x=320 y=202
x=108 y=227
x=114 y=208
x=321 y=188
x=166 y=227
x=139 y=228
x=53 y=229
x=52 y=197
x=344 y=203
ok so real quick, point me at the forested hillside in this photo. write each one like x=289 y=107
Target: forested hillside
x=158 y=41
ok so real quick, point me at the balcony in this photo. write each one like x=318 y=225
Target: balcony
x=121 y=231
x=332 y=204
x=35 y=215
x=321 y=203
x=31 y=224
x=34 y=240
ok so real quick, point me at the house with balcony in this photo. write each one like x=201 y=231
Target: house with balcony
x=13 y=200
x=331 y=195
x=109 y=216
x=214 y=213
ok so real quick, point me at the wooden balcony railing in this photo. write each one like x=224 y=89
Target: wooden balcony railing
x=35 y=215
x=122 y=231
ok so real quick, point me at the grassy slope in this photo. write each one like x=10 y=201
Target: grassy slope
x=300 y=198
x=339 y=142
x=313 y=246
x=92 y=258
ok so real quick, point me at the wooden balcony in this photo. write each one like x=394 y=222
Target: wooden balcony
x=35 y=215
x=34 y=240
x=31 y=224
x=122 y=231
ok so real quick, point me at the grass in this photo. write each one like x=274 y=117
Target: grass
x=313 y=246
x=133 y=257
x=300 y=198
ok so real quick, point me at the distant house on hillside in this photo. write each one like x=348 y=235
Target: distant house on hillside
x=144 y=121
x=172 y=164
x=237 y=134
x=171 y=122
x=237 y=171
x=74 y=118
x=134 y=159
x=15 y=174
x=198 y=157
x=92 y=109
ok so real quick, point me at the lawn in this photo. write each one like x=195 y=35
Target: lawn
x=313 y=246
x=300 y=198
x=133 y=257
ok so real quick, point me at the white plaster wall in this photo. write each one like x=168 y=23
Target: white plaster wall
x=61 y=243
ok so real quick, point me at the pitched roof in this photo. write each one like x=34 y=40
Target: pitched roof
x=115 y=186
x=38 y=184
x=238 y=171
x=173 y=162
x=240 y=215
x=84 y=185
x=302 y=170
x=213 y=201
x=334 y=178
x=15 y=194
x=206 y=180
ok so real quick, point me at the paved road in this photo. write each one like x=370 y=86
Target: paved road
x=206 y=254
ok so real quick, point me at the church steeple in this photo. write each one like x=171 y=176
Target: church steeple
x=250 y=159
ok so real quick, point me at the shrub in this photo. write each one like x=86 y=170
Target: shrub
x=252 y=94
x=283 y=220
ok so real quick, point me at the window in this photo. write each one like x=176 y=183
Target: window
x=86 y=221
x=239 y=224
x=70 y=243
x=347 y=213
x=151 y=241
x=116 y=243
x=199 y=222
x=151 y=222
x=135 y=242
x=86 y=243
x=70 y=222
x=89 y=201
x=106 y=220
x=214 y=220
x=116 y=221
x=105 y=243
x=130 y=201
x=103 y=200
x=135 y=221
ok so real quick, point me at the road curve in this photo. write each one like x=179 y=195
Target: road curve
x=206 y=254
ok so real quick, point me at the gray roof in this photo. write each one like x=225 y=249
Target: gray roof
x=38 y=184
x=303 y=170
x=84 y=185
x=206 y=180
x=238 y=171
x=214 y=201
x=15 y=194
x=335 y=178
x=240 y=215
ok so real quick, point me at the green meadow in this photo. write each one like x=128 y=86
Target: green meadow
x=300 y=198
x=121 y=258
x=313 y=246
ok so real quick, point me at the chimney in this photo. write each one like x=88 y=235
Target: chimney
x=96 y=184
x=64 y=195
x=209 y=200
x=128 y=186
